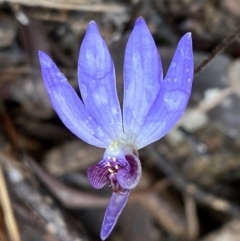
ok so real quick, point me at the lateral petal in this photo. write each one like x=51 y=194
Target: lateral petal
x=173 y=97
x=98 y=174
x=114 y=209
x=68 y=106
x=142 y=78
x=96 y=76
x=129 y=176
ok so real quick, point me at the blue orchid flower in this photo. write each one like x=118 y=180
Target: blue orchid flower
x=151 y=106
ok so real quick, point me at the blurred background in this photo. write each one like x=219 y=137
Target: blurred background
x=189 y=188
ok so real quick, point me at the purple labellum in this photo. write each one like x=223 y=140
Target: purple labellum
x=121 y=174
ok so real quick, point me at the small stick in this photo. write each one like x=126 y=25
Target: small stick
x=221 y=47
x=5 y=202
x=191 y=216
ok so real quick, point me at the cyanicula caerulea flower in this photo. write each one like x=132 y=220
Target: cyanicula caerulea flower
x=151 y=106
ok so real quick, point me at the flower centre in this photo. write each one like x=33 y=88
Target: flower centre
x=120 y=174
x=112 y=177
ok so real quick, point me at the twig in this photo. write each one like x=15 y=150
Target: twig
x=5 y=202
x=191 y=216
x=221 y=47
x=9 y=129
x=73 y=5
x=3 y=229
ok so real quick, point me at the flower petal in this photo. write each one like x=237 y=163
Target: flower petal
x=96 y=76
x=142 y=78
x=68 y=106
x=173 y=97
x=129 y=176
x=98 y=174
x=114 y=209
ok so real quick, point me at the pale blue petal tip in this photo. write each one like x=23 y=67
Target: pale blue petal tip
x=187 y=38
x=45 y=61
x=92 y=27
x=140 y=20
x=140 y=23
x=42 y=56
